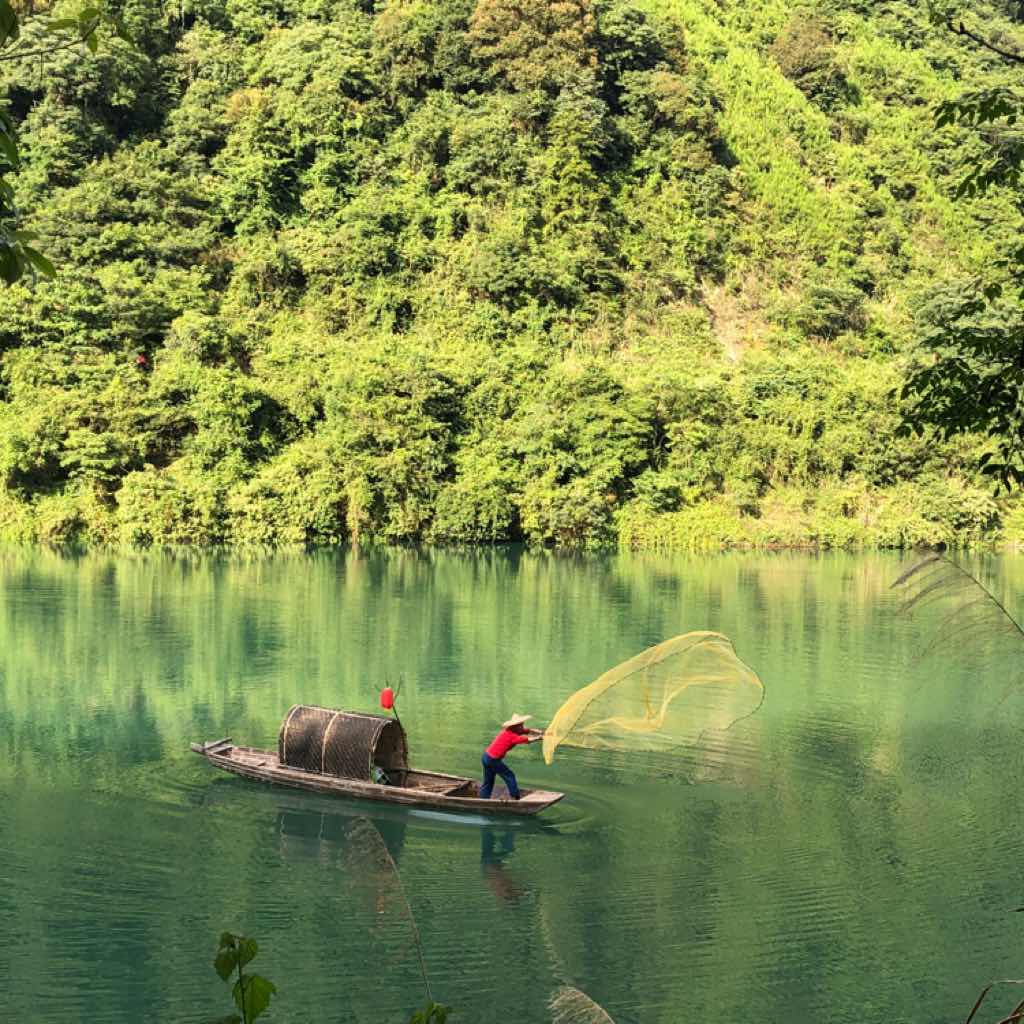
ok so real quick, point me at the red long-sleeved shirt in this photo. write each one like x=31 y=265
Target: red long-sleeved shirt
x=505 y=741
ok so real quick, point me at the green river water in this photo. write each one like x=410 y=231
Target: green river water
x=850 y=853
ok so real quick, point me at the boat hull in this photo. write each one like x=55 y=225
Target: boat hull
x=421 y=789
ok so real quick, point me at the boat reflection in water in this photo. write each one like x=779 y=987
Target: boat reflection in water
x=367 y=851
x=333 y=839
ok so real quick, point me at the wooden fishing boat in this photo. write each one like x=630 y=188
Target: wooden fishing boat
x=351 y=754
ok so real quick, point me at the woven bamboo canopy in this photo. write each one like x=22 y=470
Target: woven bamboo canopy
x=341 y=743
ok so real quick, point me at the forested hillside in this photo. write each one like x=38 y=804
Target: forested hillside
x=578 y=272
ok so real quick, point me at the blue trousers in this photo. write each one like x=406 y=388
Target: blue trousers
x=495 y=766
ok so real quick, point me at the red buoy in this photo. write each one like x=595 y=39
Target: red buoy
x=387 y=698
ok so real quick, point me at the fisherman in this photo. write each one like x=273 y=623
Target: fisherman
x=512 y=733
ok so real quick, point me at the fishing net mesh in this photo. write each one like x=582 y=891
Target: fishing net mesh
x=669 y=695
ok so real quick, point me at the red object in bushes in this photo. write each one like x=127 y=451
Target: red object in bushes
x=387 y=698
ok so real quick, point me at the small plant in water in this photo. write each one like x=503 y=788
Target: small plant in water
x=251 y=992
x=432 y=1013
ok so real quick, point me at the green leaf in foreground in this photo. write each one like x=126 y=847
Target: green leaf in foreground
x=432 y=1013
x=247 y=949
x=225 y=962
x=39 y=261
x=9 y=29
x=256 y=991
x=251 y=992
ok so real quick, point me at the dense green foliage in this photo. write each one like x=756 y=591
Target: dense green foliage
x=574 y=272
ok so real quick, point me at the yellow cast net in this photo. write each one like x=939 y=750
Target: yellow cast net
x=667 y=696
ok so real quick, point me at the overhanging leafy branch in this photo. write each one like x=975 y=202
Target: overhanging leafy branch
x=17 y=256
x=967 y=375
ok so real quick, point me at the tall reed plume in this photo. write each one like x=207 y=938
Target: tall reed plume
x=971 y=615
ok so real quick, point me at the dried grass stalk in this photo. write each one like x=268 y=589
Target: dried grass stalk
x=1017 y=1012
x=971 y=614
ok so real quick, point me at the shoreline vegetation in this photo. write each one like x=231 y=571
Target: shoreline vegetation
x=839 y=518
x=583 y=275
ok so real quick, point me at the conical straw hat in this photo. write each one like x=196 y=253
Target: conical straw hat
x=516 y=720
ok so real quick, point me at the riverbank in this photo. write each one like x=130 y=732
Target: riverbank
x=845 y=516
x=837 y=517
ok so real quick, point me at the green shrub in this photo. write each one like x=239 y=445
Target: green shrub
x=478 y=507
x=806 y=55
x=297 y=499
x=58 y=519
